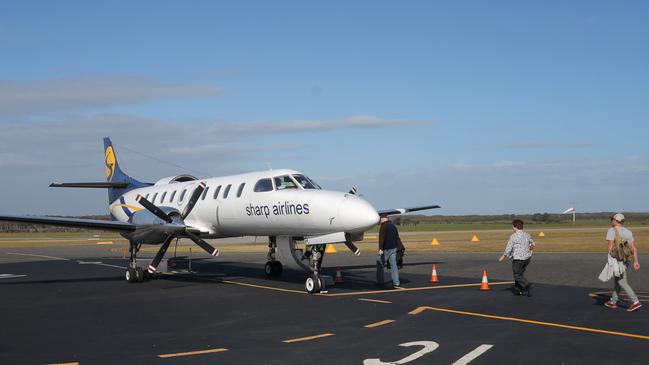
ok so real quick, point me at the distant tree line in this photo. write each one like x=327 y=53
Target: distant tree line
x=536 y=218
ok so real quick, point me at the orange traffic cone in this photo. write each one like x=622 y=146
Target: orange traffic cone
x=339 y=276
x=485 y=281
x=433 y=275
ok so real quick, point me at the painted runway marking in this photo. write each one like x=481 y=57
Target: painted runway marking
x=99 y=263
x=309 y=338
x=378 y=324
x=105 y=243
x=528 y=321
x=429 y=346
x=42 y=256
x=192 y=353
x=64 y=363
x=412 y=289
x=11 y=276
x=375 y=300
x=473 y=355
x=261 y=286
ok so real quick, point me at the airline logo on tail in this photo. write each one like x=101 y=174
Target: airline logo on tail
x=110 y=163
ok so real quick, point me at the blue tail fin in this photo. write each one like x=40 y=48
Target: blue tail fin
x=115 y=174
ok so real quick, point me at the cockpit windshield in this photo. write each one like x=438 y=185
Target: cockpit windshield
x=305 y=182
x=284 y=182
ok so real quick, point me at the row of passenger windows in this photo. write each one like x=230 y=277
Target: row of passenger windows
x=181 y=198
x=280 y=183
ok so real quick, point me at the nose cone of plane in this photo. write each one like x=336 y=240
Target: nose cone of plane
x=357 y=215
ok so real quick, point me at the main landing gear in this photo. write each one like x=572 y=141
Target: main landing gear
x=273 y=267
x=134 y=273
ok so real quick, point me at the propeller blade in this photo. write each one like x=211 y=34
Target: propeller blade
x=204 y=245
x=153 y=209
x=193 y=199
x=353 y=248
x=158 y=256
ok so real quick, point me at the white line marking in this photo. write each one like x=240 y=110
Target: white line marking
x=429 y=346
x=107 y=265
x=473 y=355
x=10 y=276
x=88 y=262
x=43 y=256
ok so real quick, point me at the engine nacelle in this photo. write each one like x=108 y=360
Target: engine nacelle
x=153 y=230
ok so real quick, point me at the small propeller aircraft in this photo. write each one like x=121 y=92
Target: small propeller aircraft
x=284 y=205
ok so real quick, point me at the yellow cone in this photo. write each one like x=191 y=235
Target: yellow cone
x=331 y=249
x=475 y=238
x=435 y=242
x=541 y=234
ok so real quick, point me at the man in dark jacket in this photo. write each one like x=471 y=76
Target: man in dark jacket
x=388 y=243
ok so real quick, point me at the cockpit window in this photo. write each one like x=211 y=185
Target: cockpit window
x=305 y=182
x=285 y=182
x=264 y=185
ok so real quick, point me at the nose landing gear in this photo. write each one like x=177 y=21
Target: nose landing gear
x=273 y=267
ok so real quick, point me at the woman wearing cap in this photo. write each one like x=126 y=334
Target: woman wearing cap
x=617 y=223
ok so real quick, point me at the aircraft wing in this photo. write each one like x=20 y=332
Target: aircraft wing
x=406 y=210
x=72 y=222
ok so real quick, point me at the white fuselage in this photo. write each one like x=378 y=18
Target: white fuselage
x=279 y=210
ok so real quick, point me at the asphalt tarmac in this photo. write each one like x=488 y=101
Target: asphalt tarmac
x=72 y=305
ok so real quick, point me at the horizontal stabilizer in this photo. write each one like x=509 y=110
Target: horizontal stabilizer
x=91 y=185
x=406 y=210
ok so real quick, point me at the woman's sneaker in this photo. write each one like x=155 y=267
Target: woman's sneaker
x=611 y=304
x=634 y=306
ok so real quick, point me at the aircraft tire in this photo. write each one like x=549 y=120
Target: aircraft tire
x=130 y=275
x=139 y=274
x=313 y=284
x=269 y=269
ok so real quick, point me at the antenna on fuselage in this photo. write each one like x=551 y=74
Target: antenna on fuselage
x=269 y=166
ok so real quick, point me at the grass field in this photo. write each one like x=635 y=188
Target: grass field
x=451 y=239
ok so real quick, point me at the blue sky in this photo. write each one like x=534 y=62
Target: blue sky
x=482 y=107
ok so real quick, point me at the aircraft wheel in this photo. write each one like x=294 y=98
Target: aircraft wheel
x=269 y=269
x=130 y=275
x=313 y=284
x=139 y=274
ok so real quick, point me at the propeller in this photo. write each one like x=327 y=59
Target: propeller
x=167 y=218
x=353 y=248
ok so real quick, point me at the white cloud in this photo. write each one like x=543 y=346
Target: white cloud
x=307 y=126
x=84 y=92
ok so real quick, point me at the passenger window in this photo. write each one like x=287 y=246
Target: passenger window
x=173 y=195
x=284 y=182
x=205 y=193
x=263 y=185
x=162 y=199
x=182 y=196
x=226 y=191
x=216 y=192
x=154 y=197
x=240 y=190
